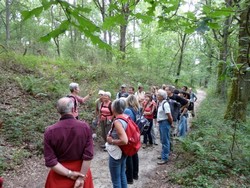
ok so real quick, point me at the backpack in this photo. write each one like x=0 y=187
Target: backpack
x=133 y=134
x=141 y=122
x=109 y=107
x=74 y=99
x=174 y=108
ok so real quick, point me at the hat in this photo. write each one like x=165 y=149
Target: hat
x=123 y=85
x=107 y=93
x=101 y=92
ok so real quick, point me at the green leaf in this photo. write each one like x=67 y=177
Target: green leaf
x=111 y=21
x=224 y=11
x=55 y=33
x=189 y=30
x=214 y=25
x=81 y=9
x=85 y=22
x=145 y=18
x=191 y=15
x=47 y=4
x=95 y=39
x=35 y=12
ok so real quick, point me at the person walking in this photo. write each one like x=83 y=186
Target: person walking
x=68 y=150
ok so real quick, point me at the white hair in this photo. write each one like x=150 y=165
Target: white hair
x=73 y=86
x=107 y=93
x=162 y=93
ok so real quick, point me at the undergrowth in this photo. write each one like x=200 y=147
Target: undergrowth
x=31 y=85
x=210 y=157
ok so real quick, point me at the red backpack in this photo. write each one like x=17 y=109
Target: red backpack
x=133 y=134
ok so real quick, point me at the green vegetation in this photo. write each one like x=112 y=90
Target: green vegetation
x=216 y=152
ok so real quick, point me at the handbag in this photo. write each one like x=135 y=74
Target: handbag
x=114 y=151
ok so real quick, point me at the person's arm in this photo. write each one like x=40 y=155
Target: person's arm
x=84 y=169
x=170 y=119
x=123 y=139
x=60 y=169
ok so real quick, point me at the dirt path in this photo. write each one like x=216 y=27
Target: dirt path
x=32 y=173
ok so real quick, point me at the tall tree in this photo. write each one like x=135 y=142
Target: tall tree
x=7 y=22
x=238 y=101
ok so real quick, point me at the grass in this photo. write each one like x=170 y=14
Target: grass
x=208 y=158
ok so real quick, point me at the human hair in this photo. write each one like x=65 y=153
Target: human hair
x=171 y=88
x=162 y=93
x=73 y=86
x=148 y=94
x=118 y=106
x=132 y=102
x=64 y=105
x=131 y=87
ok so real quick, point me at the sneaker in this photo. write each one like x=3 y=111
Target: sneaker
x=130 y=182
x=103 y=146
x=155 y=143
x=136 y=178
x=161 y=162
x=159 y=157
x=144 y=146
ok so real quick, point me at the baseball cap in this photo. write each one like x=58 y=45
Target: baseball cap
x=101 y=92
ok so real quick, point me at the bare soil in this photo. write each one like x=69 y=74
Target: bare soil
x=32 y=172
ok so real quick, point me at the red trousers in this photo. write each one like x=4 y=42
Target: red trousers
x=55 y=180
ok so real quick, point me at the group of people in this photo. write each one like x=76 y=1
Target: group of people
x=68 y=144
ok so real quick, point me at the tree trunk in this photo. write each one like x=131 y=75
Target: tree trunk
x=183 y=41
x=237 y=104
x=221 y=88
x=7 y=4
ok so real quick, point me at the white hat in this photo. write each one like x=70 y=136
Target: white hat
x=107 y=93
x=101 y=92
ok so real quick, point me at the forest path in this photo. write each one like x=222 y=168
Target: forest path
x=32 y=173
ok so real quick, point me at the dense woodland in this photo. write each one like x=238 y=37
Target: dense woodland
x=101 y=44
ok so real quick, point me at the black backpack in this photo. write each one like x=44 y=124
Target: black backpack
x=141 y=121
x=174 y=107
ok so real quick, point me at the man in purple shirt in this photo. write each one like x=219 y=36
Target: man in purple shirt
x=68 y=149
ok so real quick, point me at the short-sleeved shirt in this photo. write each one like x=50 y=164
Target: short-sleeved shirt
x=67 y=140
x=162 y=115
x=79 y=100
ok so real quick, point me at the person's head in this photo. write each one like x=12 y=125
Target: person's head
x=65 y=106
x=123 y=88
x=163 y=86
x=132 y=102
x=161 y=95
x=153 y=89
x=74 y=87
x=106 y=96
x=184 y=88
x=140 y=88
x=170 y=90
x=118 y=106
x=148 y=97
x=131 y=90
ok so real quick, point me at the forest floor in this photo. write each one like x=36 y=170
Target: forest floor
x=32 y=172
